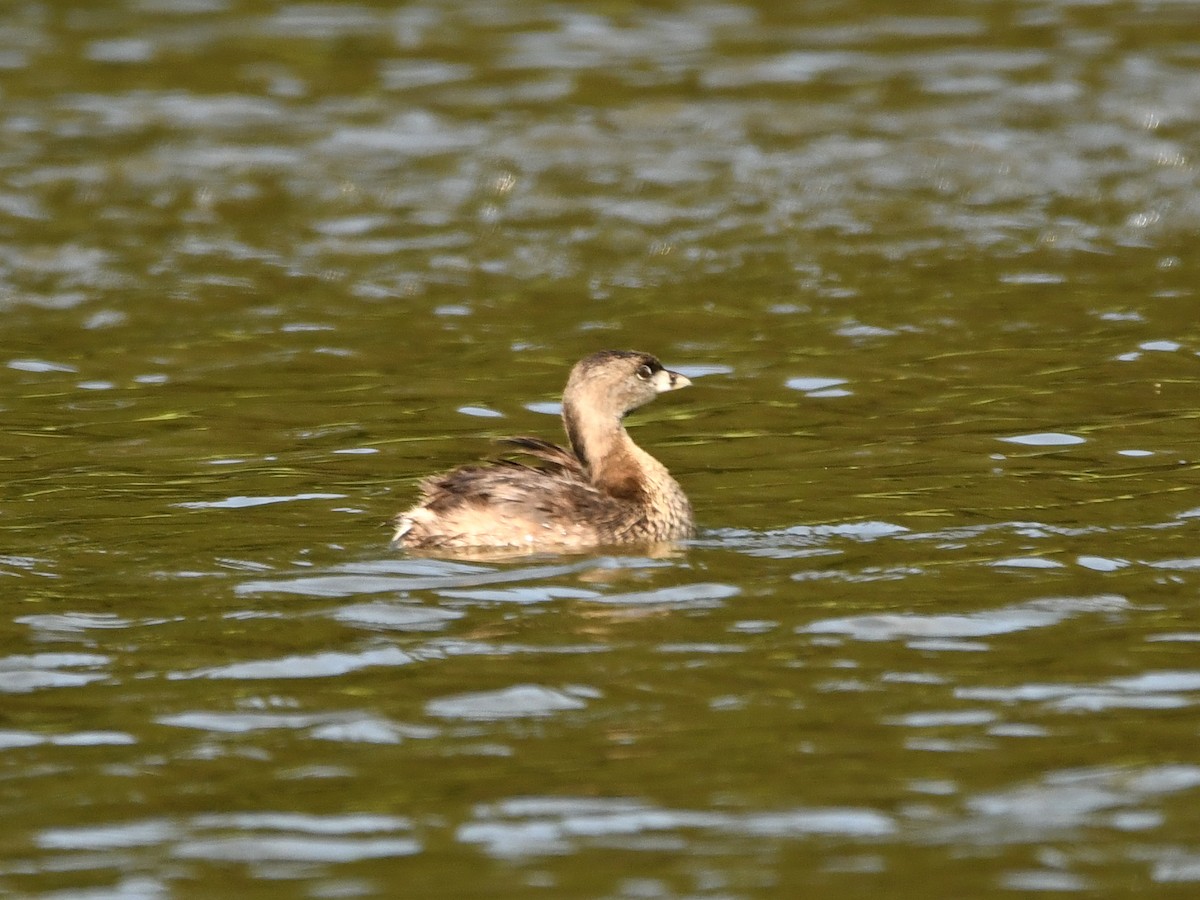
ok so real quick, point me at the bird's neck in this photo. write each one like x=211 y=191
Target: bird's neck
x=614 y=463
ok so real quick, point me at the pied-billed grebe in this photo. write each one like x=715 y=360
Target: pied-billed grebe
x=604 y=490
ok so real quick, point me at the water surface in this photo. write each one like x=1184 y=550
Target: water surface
x=932 y=271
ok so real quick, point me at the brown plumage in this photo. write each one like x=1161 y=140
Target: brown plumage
x=604 y=490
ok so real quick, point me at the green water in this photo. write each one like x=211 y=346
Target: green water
x=932 y=272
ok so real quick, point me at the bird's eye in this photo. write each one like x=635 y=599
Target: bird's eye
x=644 y=372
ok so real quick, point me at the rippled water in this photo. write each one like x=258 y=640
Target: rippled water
x=932 y=270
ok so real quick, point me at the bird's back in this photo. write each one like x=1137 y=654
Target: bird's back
x=511 y=504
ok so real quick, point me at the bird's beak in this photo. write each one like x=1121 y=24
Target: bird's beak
x=666 y=380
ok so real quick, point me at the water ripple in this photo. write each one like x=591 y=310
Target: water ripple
x=382 y=616
x=1150 y=690
x=985 y=623
x=22 y=674
x=537 y=826
x=519 y=701
x=1063 y=800
x=349 y=585
x=319 y=665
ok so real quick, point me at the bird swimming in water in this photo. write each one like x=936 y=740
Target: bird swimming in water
x=605 y=489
